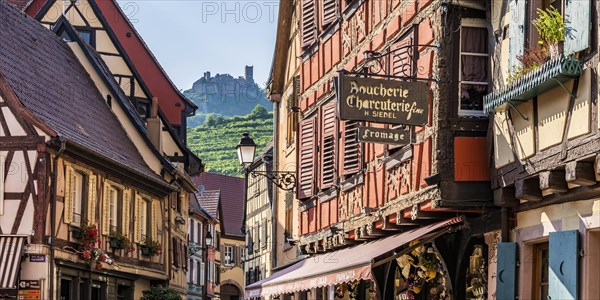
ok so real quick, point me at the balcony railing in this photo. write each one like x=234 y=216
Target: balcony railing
x=547 y=76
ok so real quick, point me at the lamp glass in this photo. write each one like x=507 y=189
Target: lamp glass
x=246 y=149
x=208 y=239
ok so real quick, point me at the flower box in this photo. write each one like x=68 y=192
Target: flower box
x=77 y=233
x=146 y=251
x=116 y=244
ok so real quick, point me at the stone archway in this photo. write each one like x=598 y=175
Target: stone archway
x=231 y=290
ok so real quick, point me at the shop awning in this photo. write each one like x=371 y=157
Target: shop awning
x=344 y=265
x=11 y=250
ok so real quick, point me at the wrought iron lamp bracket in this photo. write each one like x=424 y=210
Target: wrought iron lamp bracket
x=284 y=180
x=377 y=57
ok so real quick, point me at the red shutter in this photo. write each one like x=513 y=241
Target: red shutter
x=352 y=149
x=328 y=145
x=330 y=10
x=306 y=165
x=309 y=22
x=403 y=61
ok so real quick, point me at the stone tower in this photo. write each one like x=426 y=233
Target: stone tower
x=249 y=73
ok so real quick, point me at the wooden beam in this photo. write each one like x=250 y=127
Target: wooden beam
x=389 y=226
x=528 y=189
x=505 y=197
x=18 y=142
x=580 y=173
x=402 y=221
x=553 y=181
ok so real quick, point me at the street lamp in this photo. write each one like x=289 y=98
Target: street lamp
x=208 y=239
x=246 y=150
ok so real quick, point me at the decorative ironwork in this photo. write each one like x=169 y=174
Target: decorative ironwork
x=547 y=76
x=375 y=63
x=284 y=180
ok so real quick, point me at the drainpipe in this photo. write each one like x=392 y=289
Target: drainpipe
x=275 y=190
x=63 y=146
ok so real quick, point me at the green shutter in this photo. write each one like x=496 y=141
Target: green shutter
x=577 y=25
x=564 y=267
x=506 y=277
x=517 y=32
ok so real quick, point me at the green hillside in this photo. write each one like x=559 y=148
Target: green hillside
x=215 y=140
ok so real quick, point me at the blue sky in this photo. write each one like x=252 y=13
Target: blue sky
x=190 y=37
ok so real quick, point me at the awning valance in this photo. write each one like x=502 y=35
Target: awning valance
x=344 y=265
x=11 y=250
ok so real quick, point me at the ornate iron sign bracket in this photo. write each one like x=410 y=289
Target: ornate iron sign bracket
x=284 y=180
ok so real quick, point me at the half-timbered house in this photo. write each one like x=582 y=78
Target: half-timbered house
x=86 y=197
x=367 y=208
x=545 y=151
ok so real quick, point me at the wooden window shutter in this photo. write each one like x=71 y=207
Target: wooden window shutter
x=69 y=186
x=309 y=22
x=199 y=273
x=328 y=145
x=192 y=231
x=577 y=25
x=516 y=43
x=137 y=226
x=126 y=211
x=330 y=9
x=92 y=198
x=184 y=256
x=563 y=265
x=153 y=221
x=172 y=200
x=175 y=251
x=506 y=279
x=352 y=149
x=105 y=208
x=403 y=61
x=306 y=166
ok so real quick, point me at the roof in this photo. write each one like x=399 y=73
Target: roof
x=284 y=24
x=145 y=62
x=195 y=206
x=20 y=4
x=232 y=199
x=345 y=265
x=209 y=200
x=49 y=80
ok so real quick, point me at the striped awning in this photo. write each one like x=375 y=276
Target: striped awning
x=11 y=251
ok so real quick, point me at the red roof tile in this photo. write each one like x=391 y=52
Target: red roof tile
x=232 y=198
x=49 y=80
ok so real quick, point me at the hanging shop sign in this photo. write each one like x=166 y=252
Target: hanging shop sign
x=383 y=101
x=383 y=136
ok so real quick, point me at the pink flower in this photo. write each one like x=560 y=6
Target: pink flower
x=87 y=254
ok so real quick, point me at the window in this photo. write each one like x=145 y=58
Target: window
x=201 y=272
x=309 y=22
x=144 y=219
x=292 y=112
x=194 y=266
x=541 y=271
x=78 y=197
x=473 y=67
x=289 y=199
x=532 y=35
x=228 y=261
x=242 y=251
x=115 y=203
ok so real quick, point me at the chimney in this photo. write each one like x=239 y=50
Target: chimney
x=249 y=73
x=154 y=126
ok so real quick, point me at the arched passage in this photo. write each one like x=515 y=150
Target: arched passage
x=231 y=290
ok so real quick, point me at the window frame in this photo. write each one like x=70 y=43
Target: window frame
x=538 y=266
x=231 y=261
x=79 y=197
x=144 y=227
x=115 y=209
x=473 y=23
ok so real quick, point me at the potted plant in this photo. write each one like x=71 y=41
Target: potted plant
x=551 y=28
x=120 y=241
x=150 y=248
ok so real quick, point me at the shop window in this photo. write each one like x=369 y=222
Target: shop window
x=124 y=292
x=352 y=148
x=540 y=288
x=309 y=22
x=228 y=261
x=66 y=288
x=473 y=67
